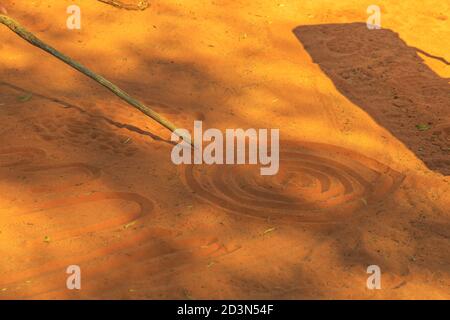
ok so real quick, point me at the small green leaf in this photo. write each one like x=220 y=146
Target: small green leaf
x=423 y=127
x=26 y=97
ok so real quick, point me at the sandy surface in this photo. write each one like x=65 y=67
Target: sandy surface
x=87 y=180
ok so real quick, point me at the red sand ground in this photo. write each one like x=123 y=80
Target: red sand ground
x=87 y=179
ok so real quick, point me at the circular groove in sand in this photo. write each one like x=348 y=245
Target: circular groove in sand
x=315 y=183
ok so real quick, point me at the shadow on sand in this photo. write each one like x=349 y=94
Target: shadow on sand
x=379 y=72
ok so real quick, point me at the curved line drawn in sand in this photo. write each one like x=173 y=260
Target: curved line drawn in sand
x=22 y=159
x=162 y=252
x=316 y=183
x=154 y=254
x=60 y=205
x=83 y=172
x=158 y=248
x=377 y=71
x=158 y=260
x=145 y=207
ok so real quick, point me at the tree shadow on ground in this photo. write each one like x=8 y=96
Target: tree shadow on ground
x=380 y=73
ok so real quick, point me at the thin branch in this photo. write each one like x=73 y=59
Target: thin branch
x=141 y=5
x=31 y=38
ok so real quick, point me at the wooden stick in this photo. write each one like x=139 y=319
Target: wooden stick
x=31 y=38
x=142 y=4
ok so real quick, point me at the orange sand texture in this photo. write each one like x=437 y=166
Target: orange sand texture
x=87 y=180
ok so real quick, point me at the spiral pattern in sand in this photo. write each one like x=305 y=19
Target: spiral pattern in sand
x=315 y=183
